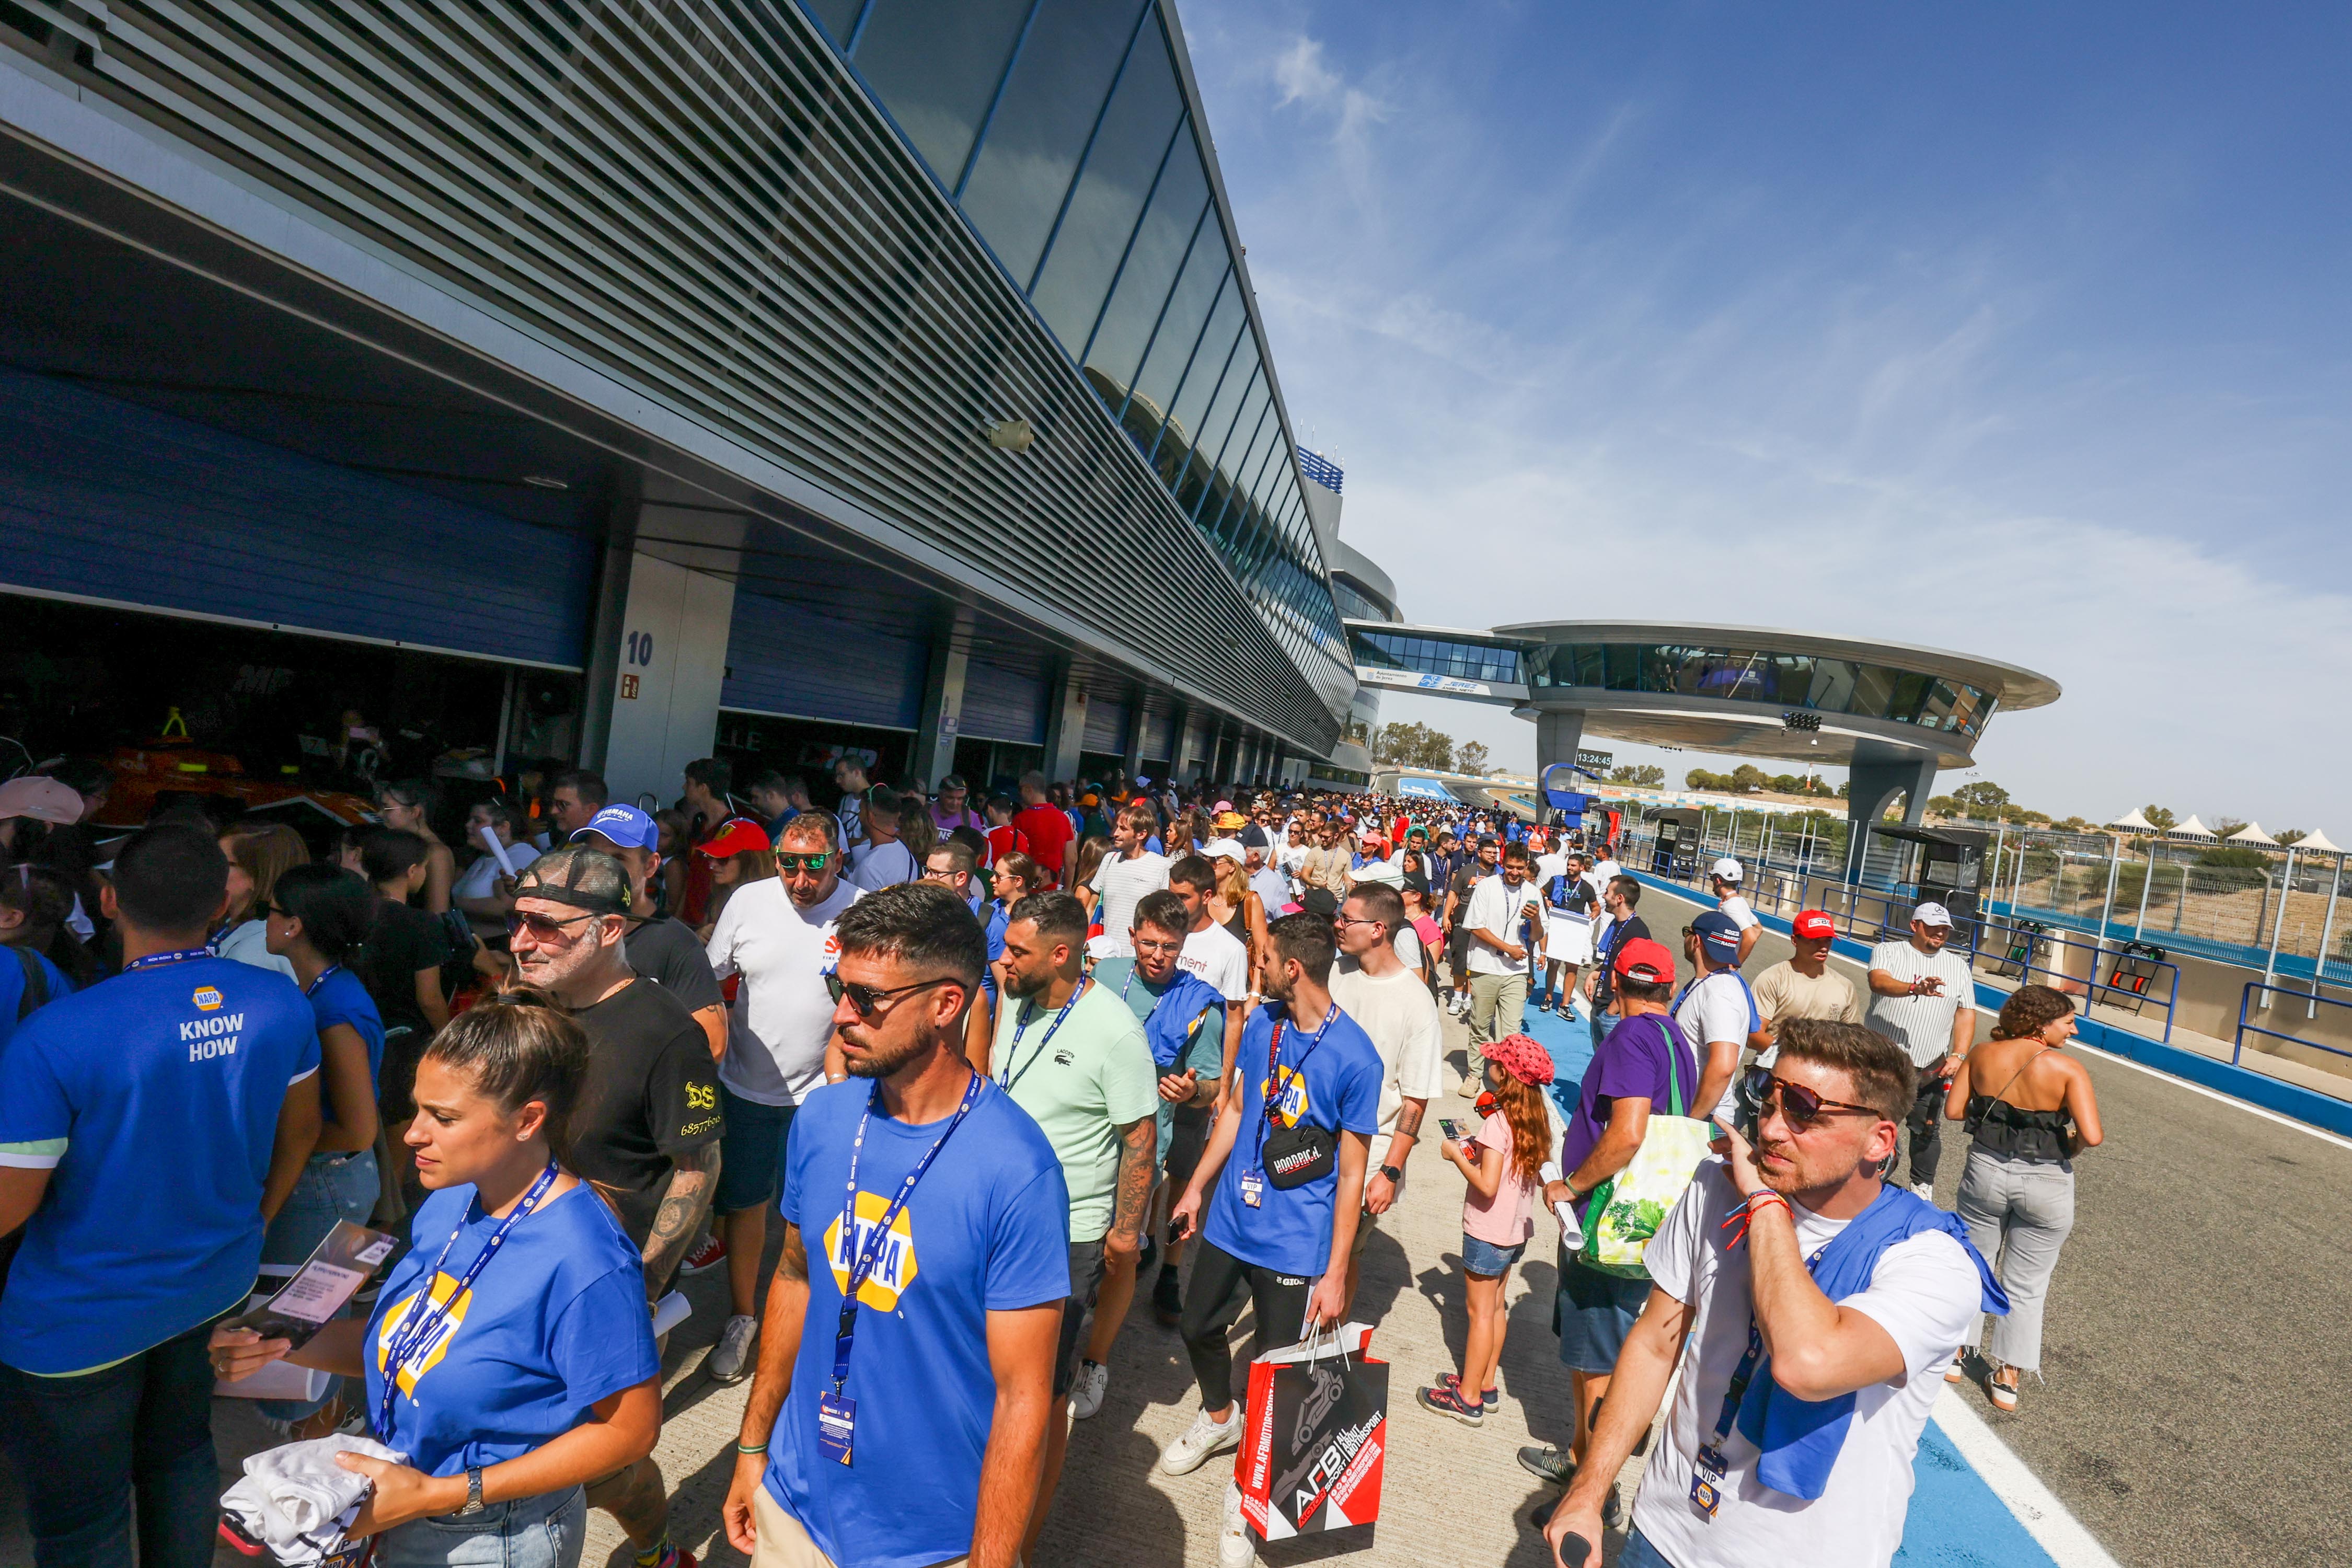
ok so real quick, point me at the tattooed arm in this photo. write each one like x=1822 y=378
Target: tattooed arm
x=1138 y=1142
x=693 y=1181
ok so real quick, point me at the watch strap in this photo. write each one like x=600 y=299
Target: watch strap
x=472 y=1489
x=1392 y=1172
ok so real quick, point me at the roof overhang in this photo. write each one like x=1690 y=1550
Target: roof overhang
x=1748 y=729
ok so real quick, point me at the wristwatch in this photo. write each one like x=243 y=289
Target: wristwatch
x=472 y=1489
x=1392 y=1172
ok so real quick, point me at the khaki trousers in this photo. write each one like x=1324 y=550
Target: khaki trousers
x=784 y=1544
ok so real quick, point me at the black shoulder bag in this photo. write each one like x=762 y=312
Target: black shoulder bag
x=1294 y=1156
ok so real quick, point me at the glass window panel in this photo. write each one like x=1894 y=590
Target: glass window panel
x=935 y=65
x=1109 y=196
x=1910 y=695
x=1050 y=102
x=1207 y=275
x=1164 y=242
x=1245 y=473
x=1590 y=665
x=1874 y=692
x=1833 y=686
x=1938 y=712
x=1234 y=383
x=1622 y=667
x=1200 y=379
x=836 y=17
x=1242 y=432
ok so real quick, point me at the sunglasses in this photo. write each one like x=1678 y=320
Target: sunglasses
x=866 y=998
x=790 y=863
x=542 y=928
x=1801 y=1105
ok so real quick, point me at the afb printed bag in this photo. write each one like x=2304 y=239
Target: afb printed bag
x=1314 y=1438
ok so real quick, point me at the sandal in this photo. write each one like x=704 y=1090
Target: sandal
x=1490 y=1401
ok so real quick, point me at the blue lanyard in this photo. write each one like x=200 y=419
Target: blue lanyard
x=312 y=989
x=155 y=959
x=426 y=1315
x=1745 y=1373
x=864 y=1257
x=1011 y=1077
x=1271 y=1095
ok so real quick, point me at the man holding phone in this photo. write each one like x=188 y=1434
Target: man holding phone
x=1924 y=999
x=1503 y=909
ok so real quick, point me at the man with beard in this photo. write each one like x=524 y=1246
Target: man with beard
x=900 y=1410
x=1813 y=1308
x=645 y=1129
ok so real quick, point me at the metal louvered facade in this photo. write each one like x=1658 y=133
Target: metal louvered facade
x=701 y=201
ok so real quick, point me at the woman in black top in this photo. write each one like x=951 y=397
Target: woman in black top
x=2030 y=1109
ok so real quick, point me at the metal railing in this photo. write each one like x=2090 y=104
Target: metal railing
x=2014 y=948
x=2245 y=1000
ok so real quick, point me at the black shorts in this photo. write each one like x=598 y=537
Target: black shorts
x=1189 y=1141
x=1086 y=1279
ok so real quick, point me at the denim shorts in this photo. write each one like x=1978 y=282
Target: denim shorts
x=1480 y=1255
x=751 y=1144
x=543 y=1532
x=1594 y=1312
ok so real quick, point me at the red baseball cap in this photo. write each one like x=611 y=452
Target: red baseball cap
x=1647 y=962
x=1813 y=923
x=737 y=836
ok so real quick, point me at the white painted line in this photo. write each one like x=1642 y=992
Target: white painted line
x=2020 y=1489
x=2319 y=1132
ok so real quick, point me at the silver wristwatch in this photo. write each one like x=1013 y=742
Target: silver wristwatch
x=473 y=1491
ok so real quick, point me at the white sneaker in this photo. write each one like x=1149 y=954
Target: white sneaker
x=1234 y=1547
x=1925 y=1189
x=1086 y=1393
x=1204 y=1437
x=730 y=1359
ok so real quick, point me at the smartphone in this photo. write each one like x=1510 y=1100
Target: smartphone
x=1178 y=1230
x=1456 y=1131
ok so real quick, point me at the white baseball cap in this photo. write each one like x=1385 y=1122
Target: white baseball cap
x=1932 y=915
x=1727 y=868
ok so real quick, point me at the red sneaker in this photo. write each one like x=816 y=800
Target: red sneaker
x=710 y=1255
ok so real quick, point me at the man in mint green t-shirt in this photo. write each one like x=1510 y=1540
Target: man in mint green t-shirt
x=1073 y=1056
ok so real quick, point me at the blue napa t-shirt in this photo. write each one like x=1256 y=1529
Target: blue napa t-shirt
x=1290 y=1232
x=555 y=1322
x=152 y=1099
x=342 y=998
x=12 y=987
x=987 y=1230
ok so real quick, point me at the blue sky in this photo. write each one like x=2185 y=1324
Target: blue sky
x=2019 y=330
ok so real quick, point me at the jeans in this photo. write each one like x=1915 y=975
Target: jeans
x=1638 y=1553
x=1925 y=1125
x=1599 y=1020
x=1498 y=1006
x=85 y=1444
x=331 y=1187
x=2018 y=1212
x=528 y=1532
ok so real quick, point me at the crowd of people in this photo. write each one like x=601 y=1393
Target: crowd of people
x=998 y=1062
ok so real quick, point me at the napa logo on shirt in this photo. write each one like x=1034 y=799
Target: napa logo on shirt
x=428 y=1354
x=207 y=1039
x=208 y=999
x=1291 y=1103
x=894 y=1269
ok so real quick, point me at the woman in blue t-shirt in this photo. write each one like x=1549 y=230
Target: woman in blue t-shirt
x=314 y=918
x=515 y=1333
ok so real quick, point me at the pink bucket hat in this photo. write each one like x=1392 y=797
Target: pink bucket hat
x=1523 y=1057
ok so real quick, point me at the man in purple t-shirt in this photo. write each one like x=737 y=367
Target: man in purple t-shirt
x=1642 y=1062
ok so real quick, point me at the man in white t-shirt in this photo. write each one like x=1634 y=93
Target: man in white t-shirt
x=1503 y=911
x=778 y=934
x=1923 y=998
x=1126 y=874
x=885 y=861
x=1212 y=952
x=1716 y=1012
x=1371 y=984
x=1725 y=879
x=1733 y=1482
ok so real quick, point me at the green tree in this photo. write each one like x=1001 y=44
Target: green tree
x=1471 y=758
x=1413 y=746
x=1748 y=778
x=1943 y=805
x=1981 y=797
x=2159 y=817
x=2225 y=826
x=1645 y=775
x=2290 y=836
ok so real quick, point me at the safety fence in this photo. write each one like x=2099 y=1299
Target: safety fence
x=2341 y=1014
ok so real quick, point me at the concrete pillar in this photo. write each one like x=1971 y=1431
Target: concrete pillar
x=1179 y=729
x=608 y=610
x=1066 y=722
x=1873 y=783
x=669 y=664
x=933 y=756
x=1131 y=760
x=1557 y=736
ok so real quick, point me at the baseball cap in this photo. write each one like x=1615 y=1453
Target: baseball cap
x=1813 y=923
x=1256 y=837
x=736 y=836
x=1719 y=936
x=1227 y=821
x=1522 y=1056
x=1319 y=902
x=42 y=799
x=1646 y=962
x=623 y=824
x=1226 y=849
x=1727 y=868
x=1932 y=915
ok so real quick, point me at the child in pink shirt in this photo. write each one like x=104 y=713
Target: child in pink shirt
x=1501 y=1165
